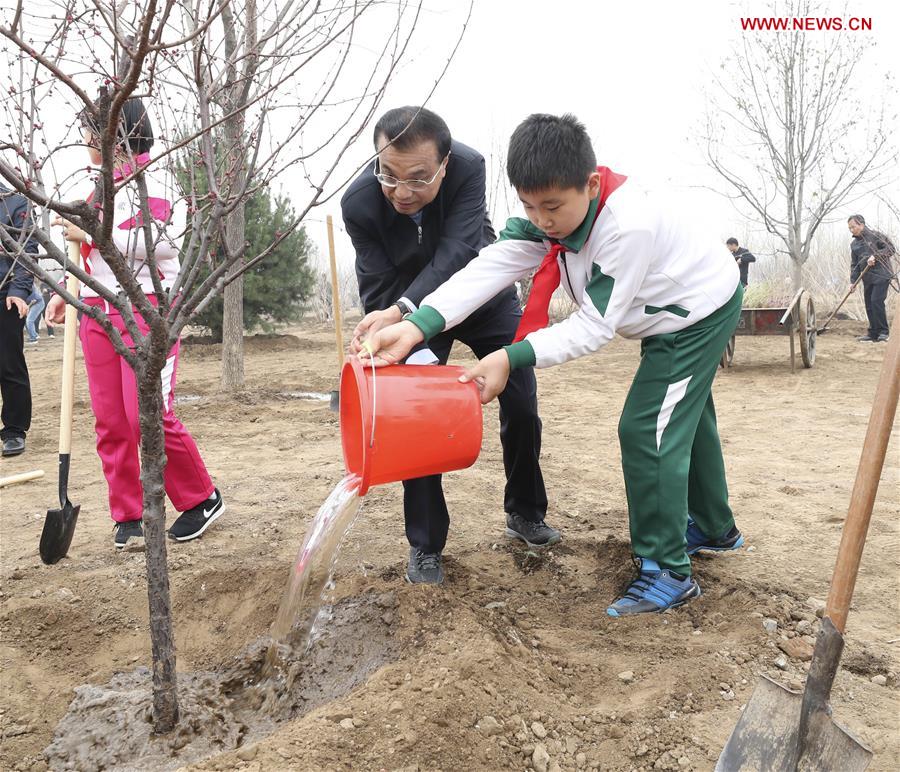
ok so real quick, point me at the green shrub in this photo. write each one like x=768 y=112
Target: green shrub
x=277 y=287
x=767 y=294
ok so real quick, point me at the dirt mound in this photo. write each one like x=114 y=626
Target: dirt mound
x=513 y=663
x=515 y=659
x=110 y=727
x=261 y=343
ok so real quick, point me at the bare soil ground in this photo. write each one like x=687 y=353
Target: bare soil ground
x=511 y=664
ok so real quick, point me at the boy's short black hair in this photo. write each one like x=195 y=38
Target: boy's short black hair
x=550 y=151
x=406 y=127
x=858 y=217
x=732 y=240
x=135 y=127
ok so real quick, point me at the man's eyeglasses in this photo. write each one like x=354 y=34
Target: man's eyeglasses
x=392 y=182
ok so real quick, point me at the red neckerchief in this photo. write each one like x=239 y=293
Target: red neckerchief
x=536 y=315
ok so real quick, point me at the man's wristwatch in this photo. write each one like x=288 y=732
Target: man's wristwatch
x=404 y=308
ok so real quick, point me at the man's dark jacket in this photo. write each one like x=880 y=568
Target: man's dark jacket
x=15 y=216
x=864 y=246
x=746 y=257
x=395 y=257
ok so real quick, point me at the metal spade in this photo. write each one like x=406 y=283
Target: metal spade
x=782 y=730
x=59 y=525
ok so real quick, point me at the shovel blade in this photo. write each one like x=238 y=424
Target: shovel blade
x=59 y=528
x=767 y=735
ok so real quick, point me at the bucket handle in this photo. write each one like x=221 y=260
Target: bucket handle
x=368 y=348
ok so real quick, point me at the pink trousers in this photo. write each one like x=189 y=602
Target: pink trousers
x=114 y=401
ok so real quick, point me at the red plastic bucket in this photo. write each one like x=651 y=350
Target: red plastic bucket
x=407 y=421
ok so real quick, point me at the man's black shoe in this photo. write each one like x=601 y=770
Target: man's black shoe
x=537 y=534
x=125 y=531
x=196 y=520
x=13 y=446
x=424 y=567
x=865 y=339
x=883 y=338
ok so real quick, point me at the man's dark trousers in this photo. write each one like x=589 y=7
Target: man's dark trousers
x=424 y=507
x=875 y=294
x=15 y=387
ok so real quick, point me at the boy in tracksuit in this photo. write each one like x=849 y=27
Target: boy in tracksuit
x=635 y=269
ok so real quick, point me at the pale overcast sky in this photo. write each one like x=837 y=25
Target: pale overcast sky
x=633 y=72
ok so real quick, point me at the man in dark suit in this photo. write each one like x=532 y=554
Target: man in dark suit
x=416 y=215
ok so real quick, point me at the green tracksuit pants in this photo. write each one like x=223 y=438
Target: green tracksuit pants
x=671 y=456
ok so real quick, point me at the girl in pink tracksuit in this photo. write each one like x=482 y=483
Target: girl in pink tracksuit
x=111 y=380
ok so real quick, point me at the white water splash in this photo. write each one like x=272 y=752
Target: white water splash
x=301 y=612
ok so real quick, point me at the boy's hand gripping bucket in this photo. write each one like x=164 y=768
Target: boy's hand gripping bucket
x=407 y=421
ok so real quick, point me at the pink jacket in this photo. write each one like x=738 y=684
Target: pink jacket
x=168 y=212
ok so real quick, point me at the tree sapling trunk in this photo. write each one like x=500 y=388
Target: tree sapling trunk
x=153 y=463
x=233 y=303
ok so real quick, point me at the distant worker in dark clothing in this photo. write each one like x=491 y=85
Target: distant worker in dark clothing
x=15 y=286
x=743 y=258
x=875 y=250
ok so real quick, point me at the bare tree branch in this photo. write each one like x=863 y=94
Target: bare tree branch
x=778 y=134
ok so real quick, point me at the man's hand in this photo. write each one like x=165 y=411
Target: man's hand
x=390 y=344
x=490 y=375
x=70 y=232
x=372 y=323
x=871 y=261
x=56 y=311
x=21 y=305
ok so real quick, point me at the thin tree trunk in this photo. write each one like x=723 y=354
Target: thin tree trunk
x=233 y=303
x=233 y=328
x=153 y=462
x=796 y=273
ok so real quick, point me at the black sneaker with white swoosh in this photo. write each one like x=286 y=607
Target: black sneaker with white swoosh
x=128 y=531
x=192 y=523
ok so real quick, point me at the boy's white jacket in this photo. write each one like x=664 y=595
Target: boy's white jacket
x=639 y=269
x=168 y=212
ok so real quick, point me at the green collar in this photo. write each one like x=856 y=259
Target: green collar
x=520 y=228
x=574 y=242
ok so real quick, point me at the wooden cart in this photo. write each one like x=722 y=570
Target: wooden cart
x=798 y=318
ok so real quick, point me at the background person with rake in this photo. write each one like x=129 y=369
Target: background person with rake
x=874 y=250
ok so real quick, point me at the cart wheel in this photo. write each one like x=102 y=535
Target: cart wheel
x=806 y=325
x=727 y=354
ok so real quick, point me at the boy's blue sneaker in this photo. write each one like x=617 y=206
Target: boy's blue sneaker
x=654 y=589
x=695 y=540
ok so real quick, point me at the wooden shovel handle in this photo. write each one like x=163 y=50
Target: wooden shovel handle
x=335 y=294
x=846 y=295
x=868 y=475
x=68 y=369
x=21 y=477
